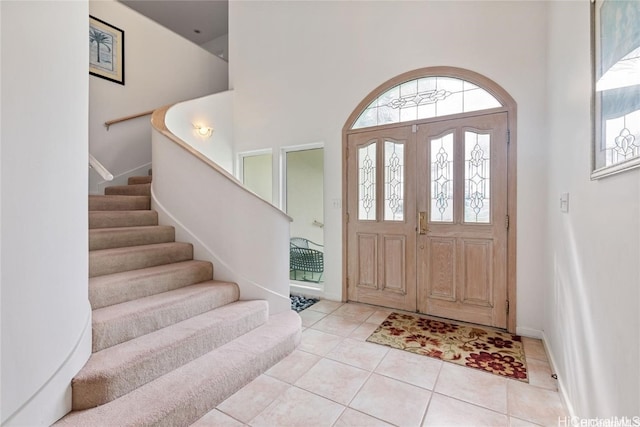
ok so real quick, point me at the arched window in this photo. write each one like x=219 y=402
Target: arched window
x=424 y=98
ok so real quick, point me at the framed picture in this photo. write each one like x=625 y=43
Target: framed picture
x=615 y=41
x=106 y=51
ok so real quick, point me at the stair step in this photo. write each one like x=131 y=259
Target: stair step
x=119 y=203
x=122 y=322
x=117 y=370
x=182 y=396
x=129 y=190
x=109 y=219
x=109 y=261
x=139 y=180
x=126 y=286
x=107 y=238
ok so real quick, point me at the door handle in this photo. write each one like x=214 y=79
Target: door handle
x=422 y=222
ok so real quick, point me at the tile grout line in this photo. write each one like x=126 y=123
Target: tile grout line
x=362 y=386
x=377 y=366
x=435 y=384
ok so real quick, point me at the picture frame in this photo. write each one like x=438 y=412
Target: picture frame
x=615 y=105
x=106 y=51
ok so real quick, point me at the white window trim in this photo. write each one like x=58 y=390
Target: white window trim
x=615 y=169
x=600 y=171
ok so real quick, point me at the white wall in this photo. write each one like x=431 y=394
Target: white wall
x=218 y=46
x=160 y=68
x=46 y=330
x=592 y=293
x=211 y=111
x=205 y=205
x=300 y=68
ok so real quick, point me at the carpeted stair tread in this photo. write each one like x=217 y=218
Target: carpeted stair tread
x=139 y=180
x=109 y=219
x=109 y=261
x=129 y=190
x=119 y=203
x=116 y=288
x=107 y=238
x=117 y=370
x=182 y=396
x=122 y=322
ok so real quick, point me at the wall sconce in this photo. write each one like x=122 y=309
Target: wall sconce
x=203 y=131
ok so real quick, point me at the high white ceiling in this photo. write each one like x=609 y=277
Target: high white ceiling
x=186 y=17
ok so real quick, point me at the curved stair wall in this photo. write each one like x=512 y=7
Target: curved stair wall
x=214 y=111
x=245 y=237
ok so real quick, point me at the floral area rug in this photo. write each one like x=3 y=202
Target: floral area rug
x=497 y=352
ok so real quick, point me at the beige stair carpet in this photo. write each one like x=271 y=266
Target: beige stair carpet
x=169 y=341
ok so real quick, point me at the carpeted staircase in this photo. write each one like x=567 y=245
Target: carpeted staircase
x=169 y=342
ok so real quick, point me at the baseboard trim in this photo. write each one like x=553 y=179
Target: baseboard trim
x=529 y=332
x=535 y=333
x=307 y=291
x=52 y=400
x=554 y=368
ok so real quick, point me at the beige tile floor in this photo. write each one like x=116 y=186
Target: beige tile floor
x=335 y=378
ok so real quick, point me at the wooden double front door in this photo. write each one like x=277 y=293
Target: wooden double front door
x=427 y=218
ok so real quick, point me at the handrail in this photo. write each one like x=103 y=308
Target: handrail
x=124 y=119
x=98 y=167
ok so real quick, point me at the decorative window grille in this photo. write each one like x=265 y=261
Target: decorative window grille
x=425 y=98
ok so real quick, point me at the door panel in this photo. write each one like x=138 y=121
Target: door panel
x=462 y=185
x=367 y=249
x=442 y=271
x=476 y=261
x=381 y=238
x=394 y=261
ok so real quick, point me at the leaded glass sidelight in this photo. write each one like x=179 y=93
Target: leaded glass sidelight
x=425 y=98
x=367 y=182
x=442 y=179
x=477 y=177
x=393 y=181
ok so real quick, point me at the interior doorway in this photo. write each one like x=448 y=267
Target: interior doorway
x=302 y=199
x=255 y=170
x=429 y=183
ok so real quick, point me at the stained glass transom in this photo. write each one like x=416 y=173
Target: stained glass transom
x=393 y=181
x=622 y=138
x=367 y=182
x=424 y=98
x=442 y=179
x=477 y=177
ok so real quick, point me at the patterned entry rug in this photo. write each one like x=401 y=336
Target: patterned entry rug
x=299 y=302
x=497 y=352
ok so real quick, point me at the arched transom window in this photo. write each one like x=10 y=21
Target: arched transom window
x=425 y=98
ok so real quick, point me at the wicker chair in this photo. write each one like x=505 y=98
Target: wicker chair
x=304 y=259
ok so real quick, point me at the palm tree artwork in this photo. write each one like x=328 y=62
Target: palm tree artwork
x=103 y=41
